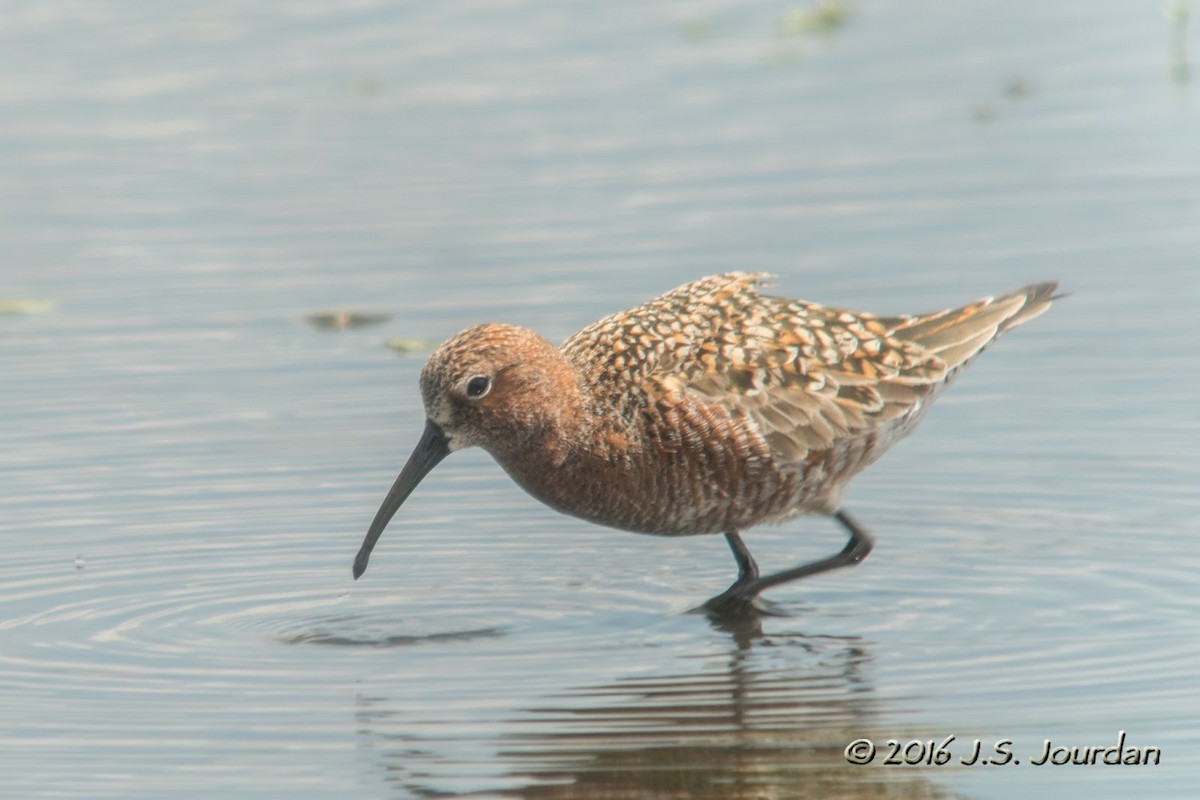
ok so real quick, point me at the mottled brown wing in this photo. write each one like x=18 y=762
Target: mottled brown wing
x=810 y=376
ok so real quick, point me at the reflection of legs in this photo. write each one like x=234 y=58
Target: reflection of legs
x=748 y=584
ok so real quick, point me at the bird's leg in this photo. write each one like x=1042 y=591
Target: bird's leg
x=747 y=568
x=747 y=574
x=857 y=549
x=745 y=589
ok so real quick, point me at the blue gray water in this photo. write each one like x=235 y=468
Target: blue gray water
x=187 y=467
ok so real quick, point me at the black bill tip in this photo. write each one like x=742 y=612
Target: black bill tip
x=360 y=562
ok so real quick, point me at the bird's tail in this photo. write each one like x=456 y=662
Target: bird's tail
x=958 y=335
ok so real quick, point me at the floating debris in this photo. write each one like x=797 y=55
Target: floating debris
x=20 y=306
x=340 y=320
x=409 y=345
x=824 y=19
x=701 y=29
x=1017 y=88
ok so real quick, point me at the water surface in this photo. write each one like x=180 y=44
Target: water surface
x=188 y=466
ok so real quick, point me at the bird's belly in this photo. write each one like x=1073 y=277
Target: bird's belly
x=676 y=499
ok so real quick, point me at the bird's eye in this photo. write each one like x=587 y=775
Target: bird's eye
x=478 y=386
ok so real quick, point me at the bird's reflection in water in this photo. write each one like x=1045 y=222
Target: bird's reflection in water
x=770 y=718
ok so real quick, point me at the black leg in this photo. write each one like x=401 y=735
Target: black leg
x=747 y=569
x=749 y=585
x=747 y=574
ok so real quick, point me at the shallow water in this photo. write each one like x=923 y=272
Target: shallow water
x=188 y=466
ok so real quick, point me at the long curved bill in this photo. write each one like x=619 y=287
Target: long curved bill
x=433 y=447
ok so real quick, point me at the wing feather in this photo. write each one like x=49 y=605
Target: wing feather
x=804 y=375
